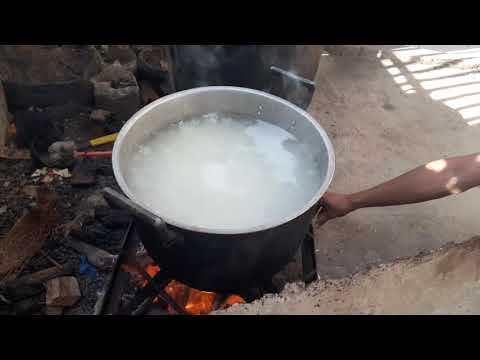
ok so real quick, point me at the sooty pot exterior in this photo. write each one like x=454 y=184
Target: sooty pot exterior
x=228 y=263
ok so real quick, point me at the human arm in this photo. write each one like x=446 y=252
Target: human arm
x=434 y=180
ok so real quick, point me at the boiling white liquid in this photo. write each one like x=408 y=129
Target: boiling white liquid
x=223 y=173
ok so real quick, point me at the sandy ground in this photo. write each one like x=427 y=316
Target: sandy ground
x=443 y=282
x=379 y=131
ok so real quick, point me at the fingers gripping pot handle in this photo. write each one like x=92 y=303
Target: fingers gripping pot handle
x=167 y=237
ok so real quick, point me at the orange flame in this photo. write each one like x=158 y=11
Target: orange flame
x=232 y=300
x=194 y=301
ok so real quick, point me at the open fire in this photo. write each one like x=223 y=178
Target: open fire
x=195 y=302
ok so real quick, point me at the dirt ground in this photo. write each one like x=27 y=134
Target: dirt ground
x=381 y=130
x=444 y=282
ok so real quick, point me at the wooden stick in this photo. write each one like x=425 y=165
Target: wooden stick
x=50 y=259
x=96 y=256
x=41 y=276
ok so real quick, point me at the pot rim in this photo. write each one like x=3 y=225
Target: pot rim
x=209 y=230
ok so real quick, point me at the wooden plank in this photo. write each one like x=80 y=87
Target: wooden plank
x=28 y=235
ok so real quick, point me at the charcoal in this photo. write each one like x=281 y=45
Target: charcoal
x=102 y=211
x=113 y=219
x=30 y=306
x=115 y=237
x=105 y=170
x=24 y=292
x=98 y=231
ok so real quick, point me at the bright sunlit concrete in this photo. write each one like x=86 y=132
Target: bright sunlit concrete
x=448 y=73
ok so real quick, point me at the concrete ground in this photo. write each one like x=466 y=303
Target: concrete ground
x=387 y=113
x=443 y=282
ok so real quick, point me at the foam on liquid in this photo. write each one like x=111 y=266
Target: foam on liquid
x=223 y=173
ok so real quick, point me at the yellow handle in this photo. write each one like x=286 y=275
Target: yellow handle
x=104 y=139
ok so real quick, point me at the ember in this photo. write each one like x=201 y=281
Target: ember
x=198 y=302
x=194 y=301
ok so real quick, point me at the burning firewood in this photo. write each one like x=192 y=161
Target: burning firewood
x=28 y=235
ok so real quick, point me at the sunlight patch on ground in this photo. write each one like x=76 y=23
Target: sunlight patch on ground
x=451 y=77
x=455 y=92
x=437 y=73
x=463 y=101
x=448 y=82
x=474 y=122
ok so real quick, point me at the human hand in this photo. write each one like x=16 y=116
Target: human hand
x=334 y=205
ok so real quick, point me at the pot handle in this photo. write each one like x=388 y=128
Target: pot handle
x=167 y=236
x=281 y=86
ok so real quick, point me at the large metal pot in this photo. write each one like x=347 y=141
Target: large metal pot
x=217 y=259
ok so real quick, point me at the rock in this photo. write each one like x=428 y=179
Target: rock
x=116 y=90
x=124 y=55
x=117 y=76
x=42 y=75
x=100 y=116
x=4 y=123
x=47 y=64
x=61 y=154
x=63 y=292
